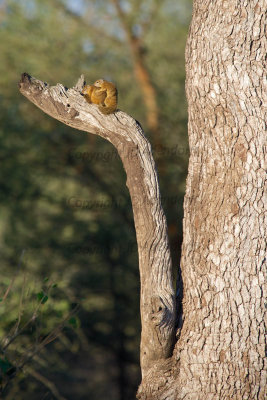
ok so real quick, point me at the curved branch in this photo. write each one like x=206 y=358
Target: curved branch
x=157 y=301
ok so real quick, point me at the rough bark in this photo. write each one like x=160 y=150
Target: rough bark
x=220 y=353
x=157 y=301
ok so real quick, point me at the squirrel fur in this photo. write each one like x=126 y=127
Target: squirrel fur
x=102 y=93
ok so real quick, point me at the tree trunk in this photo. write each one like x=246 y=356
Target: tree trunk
x=141 y=73
x=220 y=353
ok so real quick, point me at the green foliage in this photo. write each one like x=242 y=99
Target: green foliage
x=28 y=324
x=63 y=195
x=73 y=322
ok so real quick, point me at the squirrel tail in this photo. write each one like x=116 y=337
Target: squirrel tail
x=107 y=110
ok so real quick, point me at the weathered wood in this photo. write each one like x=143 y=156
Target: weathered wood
x=157 y=301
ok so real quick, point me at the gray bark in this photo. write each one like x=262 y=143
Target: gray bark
x=157 y=301
x=220 y=354
x=220 y=351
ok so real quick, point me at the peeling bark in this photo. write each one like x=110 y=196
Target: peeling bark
x=157 y=301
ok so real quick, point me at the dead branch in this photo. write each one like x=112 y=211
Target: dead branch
x=157 y=294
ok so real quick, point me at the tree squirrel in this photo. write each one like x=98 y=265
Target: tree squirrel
x=103 y=93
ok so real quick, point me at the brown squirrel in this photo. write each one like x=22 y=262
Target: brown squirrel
x=103 y=93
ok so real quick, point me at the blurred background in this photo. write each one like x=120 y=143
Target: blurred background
x=69 y=287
